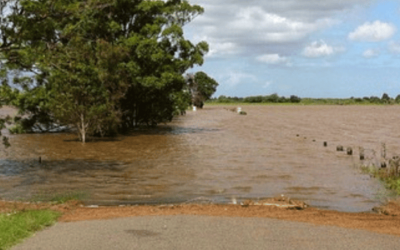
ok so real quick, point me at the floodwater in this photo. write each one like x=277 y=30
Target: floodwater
x=214 y=154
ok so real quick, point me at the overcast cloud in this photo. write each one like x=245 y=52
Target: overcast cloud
x=254 y=26
x=252 y=36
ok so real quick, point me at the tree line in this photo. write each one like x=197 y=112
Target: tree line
x=100 y=66
x=275 y=98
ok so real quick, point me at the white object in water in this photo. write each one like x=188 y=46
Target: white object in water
x=194 y=108
x=239 y=109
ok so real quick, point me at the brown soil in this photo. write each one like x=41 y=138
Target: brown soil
x=386 y=220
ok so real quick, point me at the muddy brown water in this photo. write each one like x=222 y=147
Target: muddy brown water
x=214 y=155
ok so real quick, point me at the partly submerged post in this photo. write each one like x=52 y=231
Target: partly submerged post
x=362 y=154
x=349 y=151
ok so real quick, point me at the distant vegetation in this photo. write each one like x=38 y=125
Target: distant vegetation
x=275 y=98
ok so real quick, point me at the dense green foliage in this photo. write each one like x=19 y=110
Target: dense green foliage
x=101 y=66
x=16 y=226
x=274 y=98
x=201 y=87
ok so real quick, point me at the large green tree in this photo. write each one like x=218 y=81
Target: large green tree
x=99 y=65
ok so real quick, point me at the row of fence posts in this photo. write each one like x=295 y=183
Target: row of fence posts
x=393 y=163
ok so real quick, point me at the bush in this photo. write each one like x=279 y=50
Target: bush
x=294 y=99
x=17 y=129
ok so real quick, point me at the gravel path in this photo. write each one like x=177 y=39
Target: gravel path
x=203 y=232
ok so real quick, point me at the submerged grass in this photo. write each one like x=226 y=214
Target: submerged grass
x=390 y=179
x=59 y=198
x=14 y=227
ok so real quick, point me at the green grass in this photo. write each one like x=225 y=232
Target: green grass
x=393 y=184
x=15 y=227
x=60 y=198
x=391 y=181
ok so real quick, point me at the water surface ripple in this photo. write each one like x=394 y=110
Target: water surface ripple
x=215 y=154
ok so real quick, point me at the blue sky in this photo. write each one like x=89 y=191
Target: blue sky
x=309 y=48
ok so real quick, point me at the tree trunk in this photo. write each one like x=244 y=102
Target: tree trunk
x=82 y=129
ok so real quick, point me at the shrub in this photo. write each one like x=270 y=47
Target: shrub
x=17 y=129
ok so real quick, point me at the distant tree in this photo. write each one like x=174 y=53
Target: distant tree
x=202 y=87
x=397 y=100
x=358 y=100
x=274 y=98
x=282 y=99
x=374 y=99
x=294 y=99
x=222 y=98
x=254 y=99
x=206 y=85
x=385 y=98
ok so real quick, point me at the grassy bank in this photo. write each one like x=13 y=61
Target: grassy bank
x=14 y=227
x=390 y=179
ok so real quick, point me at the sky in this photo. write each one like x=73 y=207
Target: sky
x=308 y=48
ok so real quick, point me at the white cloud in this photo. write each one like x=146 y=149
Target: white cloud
x=272 y=59
x=234 y=78
x=221 y=49
x=394 y=47
x=268 y=27
x=319 y=49
x=251 y=28
x=216 y=48
x=369 y=53
x=267 y=84
x=373 y=32
x=263 y=27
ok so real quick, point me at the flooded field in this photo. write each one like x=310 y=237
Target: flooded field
x=214 y=154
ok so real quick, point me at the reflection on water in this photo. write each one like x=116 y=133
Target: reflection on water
x=212 y=153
